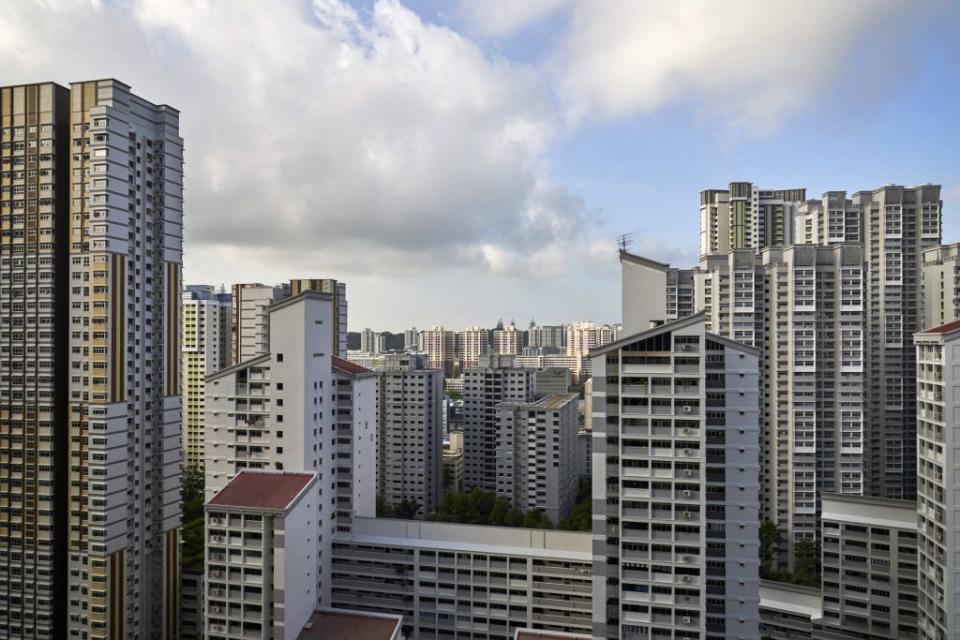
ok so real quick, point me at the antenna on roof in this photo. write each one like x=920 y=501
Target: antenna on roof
x=624 y=240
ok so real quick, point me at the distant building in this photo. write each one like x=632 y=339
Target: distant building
x=192 y=604
x=536 y=454
x=472 y=343
x=507 y=341
x=744 y=216
x=549 y=338
x=496 y=380
x=369 y=342
x=261 y=555
x=338 y=291
x=453 y=462
x=411 y=430
x=653 y=292
x=584 y=451
x=941 y=285
x=251 y=327
x=357 y=405
x=583 y=337
x=440 y=345
x=411 y=340
x=206 y=348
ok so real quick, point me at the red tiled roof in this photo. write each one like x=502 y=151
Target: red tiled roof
x=337 y=625
x=347 y=366
x=262 y=490
x=945 y=328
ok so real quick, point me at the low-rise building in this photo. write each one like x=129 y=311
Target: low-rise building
x=261 y=562
x=454 y=580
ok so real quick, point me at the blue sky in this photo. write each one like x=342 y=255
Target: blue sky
x=459 y=161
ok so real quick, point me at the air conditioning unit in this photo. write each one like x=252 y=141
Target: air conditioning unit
x=687 y=408
x=687 y=620
x=688 y=558
x=688 y=472
x=687 y=493
x=687 y=515
x=688 y=452
x=685 y=431
x=684 y=578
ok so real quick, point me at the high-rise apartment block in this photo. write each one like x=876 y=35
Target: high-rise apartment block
x=369 y=342
x=205 y=350
x=938 y=443
x=536 y=454
x=653 y=292
x=251 y=324
x=508 y=340
x=495 y=380
x=585 y=336
x=277 y=411
x=356 y=398
x=261 y=555
x=745 y=216
x=676 y=485
x=338 y=291
x=802 y=307
x=547 y=338
x=411 y=429
x=440 y=345
x=472 y=343
x=411 y=340
x=940 y=278
x=90 y=262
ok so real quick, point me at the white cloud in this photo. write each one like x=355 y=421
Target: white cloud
x=319 y=137
x=752 y=63
x=505 y=17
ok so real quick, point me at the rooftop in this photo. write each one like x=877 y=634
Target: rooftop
x=274 y=490
x=536 y=634
x=950 y=327
x=349 y=367
x=556 y=400
x=350 y=625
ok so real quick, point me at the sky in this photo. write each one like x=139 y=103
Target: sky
x=459 y=161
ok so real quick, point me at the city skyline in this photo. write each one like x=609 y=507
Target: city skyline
x=503 y=114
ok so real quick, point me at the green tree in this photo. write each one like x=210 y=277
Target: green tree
x=192 y=518
x=806 y=563
x=769 y=544
x=407 y=509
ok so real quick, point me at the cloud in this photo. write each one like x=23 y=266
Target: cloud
x=505 y=17
x=317 y=135
x=752 y=64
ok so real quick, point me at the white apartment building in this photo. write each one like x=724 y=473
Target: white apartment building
x=869 y=567
x=938 y=416
x=494 y=381
x=369 y=341
x=278 y=411
x=745 y=216
x=578 y=366
x=940 y=279
x=338 y=290
x=411 y=340
x=584 y=336
x=411 y=429
x=206 y=348
x=507 y=341
x=462 y=581
x=356 y=401
x=472 y=343
x=551 y=380
x=453 y=462
x=803 y=307
x=440 y=345
x=548 y=338
x=261 y=556
x=834 y=219
x=192 y=604
x=676 y=485
x=536 y=454
x=653 y=292
x=251 y=324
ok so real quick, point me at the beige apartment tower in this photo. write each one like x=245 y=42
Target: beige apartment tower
x=90 y=260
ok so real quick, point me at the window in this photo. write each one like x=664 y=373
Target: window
x=279 y=357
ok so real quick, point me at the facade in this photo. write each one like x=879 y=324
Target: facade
x=440 y=345
x=472 y=343
x=812 y=346
x=676 y=485
x=507 y=341
x=261 y=556
x=789 y=611
x=578 y=366
x=192 y=604
x=454 y=580
x=834 y=219
x=496 y=380
x=338 y=291
x=584 y=447
x=206 y=348
x=653 y=292
x=369 y=341
x=549 y=338
x=552 y=380
x=251 y=324
x=356 y=398
x=536 y=454
x=583 y=337
x=277 y=411
x=940 y=278
x=869 y=567
x=938 y=396
x=745 y=216
x=453 y=462
x=411 y=428
x=342 y=624
x=89 y=362
x=411 y=340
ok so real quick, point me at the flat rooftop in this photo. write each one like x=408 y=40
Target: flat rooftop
x=534 y=634
x=350 y=625
x=556 y=400
x=273 y=490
